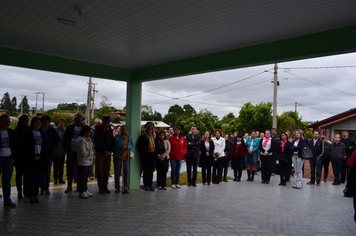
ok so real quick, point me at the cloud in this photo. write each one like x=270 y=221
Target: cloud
x=318 y=101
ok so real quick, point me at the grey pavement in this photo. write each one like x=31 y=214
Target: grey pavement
x=244 y=208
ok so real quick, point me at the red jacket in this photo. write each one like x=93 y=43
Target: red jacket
x=178 y=148
x=239 y=151
x=352 y=159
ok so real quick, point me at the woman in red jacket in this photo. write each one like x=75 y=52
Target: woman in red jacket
x=239 y=151
x=176 y=155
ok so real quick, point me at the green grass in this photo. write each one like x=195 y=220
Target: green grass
x=183 y=179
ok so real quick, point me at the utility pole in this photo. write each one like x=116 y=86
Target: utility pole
x=77 y=106
x=22 y=104
x=36 y=98
x=87 y=112
x=296 y=106
x=93 y=101
x=43 y=103
x=275 y=82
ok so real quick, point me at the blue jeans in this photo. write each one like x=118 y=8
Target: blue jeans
x=315 y=163
x=45 y=179
x=175 y=173
x=83 y=178
x=6 y=169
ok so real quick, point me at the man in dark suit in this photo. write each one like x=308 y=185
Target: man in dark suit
x=350 y=145
x=317 y=147
x=193 y=143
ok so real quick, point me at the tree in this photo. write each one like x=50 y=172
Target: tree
x=202 y=123
x=206 y=112
x=105 y=102
x=8 y=105
x=227 y=118
x=72 y=106
x=189 y=110
x=174 y=112
x=24 y=105
x=290 y=120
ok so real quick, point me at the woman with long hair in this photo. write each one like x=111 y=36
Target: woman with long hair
x=253 y=144
x=227 y=156
x=289 y=165
x=219 y=147
x=284 y=156
x=298 y=145
x=267 y=147
x=206 y=159
x=36 y=145
x=21 y=128
x=147 y=145
x=162 y=160
x=239 y=151
x=176 y=155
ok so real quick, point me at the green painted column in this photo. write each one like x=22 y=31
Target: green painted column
x=133 y=122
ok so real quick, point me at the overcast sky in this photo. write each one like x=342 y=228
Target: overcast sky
x=320 y=92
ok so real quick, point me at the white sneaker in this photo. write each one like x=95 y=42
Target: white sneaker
x=178 y=186
x=89 y=194
x=84 y=195
x=173 y=186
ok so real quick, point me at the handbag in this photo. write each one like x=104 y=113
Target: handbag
x=307 y=152
x=132 y=155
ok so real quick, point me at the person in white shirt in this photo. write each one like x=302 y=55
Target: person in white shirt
x=219 y=147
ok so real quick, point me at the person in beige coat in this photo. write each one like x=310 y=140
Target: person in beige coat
x=86 y=154
x=162 y=162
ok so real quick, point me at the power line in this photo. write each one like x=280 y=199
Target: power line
x=322 y=85
x=315 y=67
x=316 y=108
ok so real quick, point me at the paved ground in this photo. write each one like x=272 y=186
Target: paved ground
x=226 y=209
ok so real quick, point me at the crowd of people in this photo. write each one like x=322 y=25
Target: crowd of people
x=33 y=148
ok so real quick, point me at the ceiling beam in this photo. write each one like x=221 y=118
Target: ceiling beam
x=14 y=57
x=325 y=43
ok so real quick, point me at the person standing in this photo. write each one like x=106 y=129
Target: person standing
x=170 y=132
x=147 y=145
x=193 y=143
x=276 y=137
x=227 y=156
x=21 y=127
x=289 y=165
x=251 y=158
x=238 y=154
x=326 y=157
x=267 y=147
x=104 y=146
x=36 y=142
x=69 y=143
x=317 y=147
x=8 y=156
x=59 y=153
x=124 y=144
x=162 y=160
x=284 y=156
x=85 y=157
x=337 y=154
x=53 y=140
x=298 y=145
x=219 y=145
x=233 y=139
x=350 y=147
x=206 y=159
x=176 y=155
x=97 y=122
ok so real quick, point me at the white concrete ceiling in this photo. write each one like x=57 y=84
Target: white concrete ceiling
x=138 y=33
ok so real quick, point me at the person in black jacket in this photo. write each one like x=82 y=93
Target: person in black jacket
x=284 y=156
x=8 y=156
x=317 y=147
x=21 y=127
x=148 y=146
x=326 y=157
x=104 y=146
x=206 y=159
x=36 y=142
x=337 y=155
x=350 y=190
x=350 y=147
x=53 y=139
x=193 y=143
x=69 y=143
x=267 y=147
x=227 y=158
